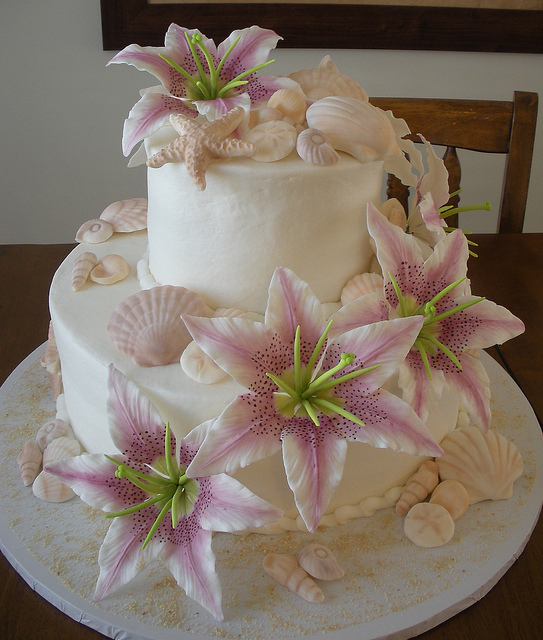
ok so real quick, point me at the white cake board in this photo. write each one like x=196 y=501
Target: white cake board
x=392 y=589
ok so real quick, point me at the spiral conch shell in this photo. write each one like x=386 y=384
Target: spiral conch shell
x=94 y=231
x=320 y=562
x=419 y=487
x=147 y=326
x=286 y=570
x=313 y=147
x=126 y=216
x=356 y=127
x=326 y=80
x=487 y=464
x=110 y=269
x=29 y=461
x=83 y=265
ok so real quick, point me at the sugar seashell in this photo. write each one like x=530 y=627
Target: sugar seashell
x=147 y=326
x=265 y=114
x=126 y=216
x=320 y=562
x=358 y=128
x=394 y=211
x=290 y=103
x=419 y=487
x=452 y=495
x=272 y=140
x=94 y=231
x=487 y=464
x=60 y=448
x=428 y=525
x=110 y=269
x=49 y=488
x=360 y=285
x=286 y=570
x=314 y=148
x=199 y=366
x=326 y=80
x=50 y=430
x=83 y=265
x=50 y=359
x=29 y=461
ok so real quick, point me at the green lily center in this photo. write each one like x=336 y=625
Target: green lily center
x=166 y=485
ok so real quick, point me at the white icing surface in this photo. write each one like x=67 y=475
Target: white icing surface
x=226 y=241
x=80 y=320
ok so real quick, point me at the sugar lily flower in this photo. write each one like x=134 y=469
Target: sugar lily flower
x=309 y=391
x=157 y=511
x=196 y=76
x=454 y=321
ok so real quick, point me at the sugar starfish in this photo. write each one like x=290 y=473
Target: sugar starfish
x=200 y=143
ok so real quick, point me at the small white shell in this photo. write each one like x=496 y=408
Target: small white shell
x=94 y=231
x=320 y=562
x=452 y=495
x=126 y=216
x=326 y=80
x=199 y=366
x=428 y=525
x=50 y=430
x=358 y=128
x=313 y=147
x=82 y=266
x=49 y=488
x=285 y=569
x=272 y=140
x=110 y=269
x=394 y=211
x=487 y=464
x=60 y=448
x=360 y=285
x=147 y=326
x=290 y=103
x=29 y=461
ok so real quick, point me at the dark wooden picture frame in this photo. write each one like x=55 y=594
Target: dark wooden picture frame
x=331 y=26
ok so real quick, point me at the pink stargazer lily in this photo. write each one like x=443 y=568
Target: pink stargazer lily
x=158 y=511
x=198 y=77
x=310 y=390
x=454 y=321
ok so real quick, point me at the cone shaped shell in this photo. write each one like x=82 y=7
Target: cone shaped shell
x=487 y=464
x=147 y=326
x=83 y=265
x=286 y=570
x=29 y=461
x=126 y=215
x=358 y=128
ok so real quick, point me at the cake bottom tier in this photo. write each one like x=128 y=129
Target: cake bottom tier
x=372 y=477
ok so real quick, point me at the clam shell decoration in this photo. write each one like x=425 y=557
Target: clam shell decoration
x=326 y=80
x=29 y=461
x=51 y=430
x=272 y=140
x=126 y=216
x=452 y=495
x=361 y=285
x=199 y=366
x=356 y=127
x=94 y=231
x=290 y=104
x=487 y=464
x=60 y=448
x=83 y=265
x=313 y=147
x=286 y=570
x=147 y=326
x=320 y=562
x=49 y=488
x=110 y=269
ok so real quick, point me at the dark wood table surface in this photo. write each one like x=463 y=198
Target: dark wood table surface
x=509 y=271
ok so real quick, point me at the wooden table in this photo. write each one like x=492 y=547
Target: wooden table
x=509 y=271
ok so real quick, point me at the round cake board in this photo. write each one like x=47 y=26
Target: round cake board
x=392 y=589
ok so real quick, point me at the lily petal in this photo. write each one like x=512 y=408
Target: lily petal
x=473 y=387
x=420 y=392
x=447 y=264
x=361 y=311
x=253 y=48
x=491 y=324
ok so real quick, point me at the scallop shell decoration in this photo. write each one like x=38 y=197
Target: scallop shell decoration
x=83 y=265
x=326 y=80
x=320 y=562
x=29 y=461
x=361 y=285
x=110 y=269
x=60 y=448
x=126 y=216
x=487 y=464
x=313 y=147
x=94 y=231
x=147 y=326
x=272 y=140
x=290 y=104
x=356 y=127
x=286 y=570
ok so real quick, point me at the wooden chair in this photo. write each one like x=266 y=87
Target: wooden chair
x=478 y=125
